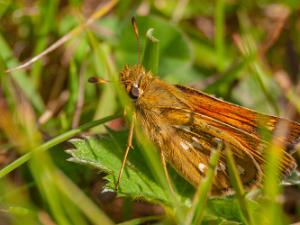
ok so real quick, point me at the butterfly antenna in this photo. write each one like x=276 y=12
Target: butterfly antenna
x=136 y=32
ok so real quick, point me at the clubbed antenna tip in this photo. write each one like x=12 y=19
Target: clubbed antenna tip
x=136 y=32
x=97 y=80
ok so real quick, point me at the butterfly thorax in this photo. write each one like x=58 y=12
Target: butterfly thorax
x=135 y=80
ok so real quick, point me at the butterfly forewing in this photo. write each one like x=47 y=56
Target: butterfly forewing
x=239 y=117
x=244 y=125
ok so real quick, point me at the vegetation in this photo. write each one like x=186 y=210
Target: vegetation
x=62 y=140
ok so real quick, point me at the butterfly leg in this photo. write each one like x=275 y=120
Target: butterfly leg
x=129 y=146
x=164 y=163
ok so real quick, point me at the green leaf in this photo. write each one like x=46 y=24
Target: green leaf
x=106 y=153
x=226 y=208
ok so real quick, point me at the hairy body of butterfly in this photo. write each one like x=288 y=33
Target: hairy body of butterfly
x=183 y=123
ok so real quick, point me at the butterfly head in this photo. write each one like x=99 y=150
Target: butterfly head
x=134 y=80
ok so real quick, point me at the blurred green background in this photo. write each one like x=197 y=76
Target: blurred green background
x=246 y=52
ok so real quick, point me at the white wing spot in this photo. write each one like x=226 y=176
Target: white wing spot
x=240 y=169
x=201 y=167
x=185 y=146
x=195 y=139
x=182 y=127
x=221 y=166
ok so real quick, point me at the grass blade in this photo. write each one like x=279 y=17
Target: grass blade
x=151 y=54
x=82 y=201
x=77 y=30
x=238 y=187
x=200 y=198
x=219 y=38
x=55 y=141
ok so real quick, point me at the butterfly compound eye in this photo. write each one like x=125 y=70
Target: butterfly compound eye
x=135 y=92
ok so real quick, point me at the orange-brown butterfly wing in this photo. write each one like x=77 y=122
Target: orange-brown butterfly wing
x=164 y=118
x=199 y=133
x=183 y=122
x=243 y=124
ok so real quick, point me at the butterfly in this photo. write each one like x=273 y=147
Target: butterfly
x=184 y=123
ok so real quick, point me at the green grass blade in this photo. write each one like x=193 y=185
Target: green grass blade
x=238 y=187
x=200 y=198
x=20 y=77
x=45 y=22
x=272 y=211
x=105 y=68
x=219 y=36
x=293 y=98
x=151 y=54
x=55 y=141
x=141 y=220
x=81 y=200
x=77 y=30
